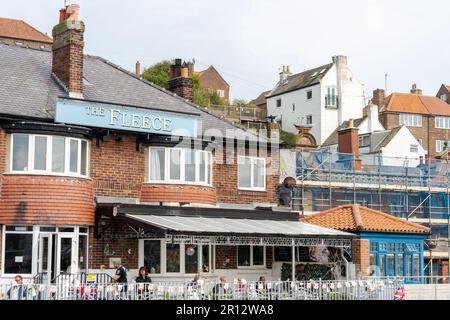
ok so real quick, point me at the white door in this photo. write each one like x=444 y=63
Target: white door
x=66 y=255
x=45 y=257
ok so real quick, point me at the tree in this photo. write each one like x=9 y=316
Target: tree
x=158 y=74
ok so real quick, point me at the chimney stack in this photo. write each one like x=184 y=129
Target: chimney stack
x=138 y=69
x=180 y=79
x=348 y=142
x=285 y=73
x=415 y=90
x=372 y=116
x=68 y=43
x=378 y=97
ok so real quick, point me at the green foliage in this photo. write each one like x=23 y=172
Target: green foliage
x=306 y=271
x=158 y=74
x=288 y=139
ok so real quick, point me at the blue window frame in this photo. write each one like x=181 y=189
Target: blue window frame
x=397 y=255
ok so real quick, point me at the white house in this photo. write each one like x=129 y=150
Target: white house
x=322 y=97
x=366 y=125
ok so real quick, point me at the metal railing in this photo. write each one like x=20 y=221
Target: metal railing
x=74 y=278
x=372 y=289
x=240 y=113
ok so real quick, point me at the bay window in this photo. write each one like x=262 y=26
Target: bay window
x=178 y=165
x=251 y=173
x=45 y=154
x=251 y=256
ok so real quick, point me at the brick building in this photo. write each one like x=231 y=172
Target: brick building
x=427 y=117
x=444 y=93
x=98 y=165
x=211 y=79
x=20 y=32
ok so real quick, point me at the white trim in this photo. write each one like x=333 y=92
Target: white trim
x=182 y=180
x=48 y=171
x=252 y=166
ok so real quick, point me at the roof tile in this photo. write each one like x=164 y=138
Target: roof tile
x=355 y=218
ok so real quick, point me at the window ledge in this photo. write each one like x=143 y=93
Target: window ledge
x=47 y=174
x=252 y=189
x=171 y=183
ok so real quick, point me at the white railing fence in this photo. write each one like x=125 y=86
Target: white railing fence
x=278 y=290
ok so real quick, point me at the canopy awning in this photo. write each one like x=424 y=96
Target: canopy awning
x=230 y=231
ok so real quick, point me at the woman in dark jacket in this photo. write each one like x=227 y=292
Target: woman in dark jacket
x=143 y=275
x=143 y=278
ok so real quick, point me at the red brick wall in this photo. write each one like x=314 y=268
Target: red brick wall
x=182 y=87
x=225 y=179
x=68 y=55
x=224 y=252
x=117 y=169
x=212 y=80
x=178 y=193
x=113 y=234
x=46 y=200
x=361 y=256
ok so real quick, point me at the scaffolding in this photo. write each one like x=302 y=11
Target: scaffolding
x=415 y=189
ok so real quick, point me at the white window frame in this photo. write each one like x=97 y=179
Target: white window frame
x=163 y=243
x=442 y=122
x=182 y=180
x=48 y=170
x=331 y=103
x=443 y=97
x=414 y=148
x=252 y=164
x=276 y=103
x=221 y=93
x=440 y=145
x=410 y=119
x=251 y=266
x=307 y=93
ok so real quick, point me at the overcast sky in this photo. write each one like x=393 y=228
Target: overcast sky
x=249 y=40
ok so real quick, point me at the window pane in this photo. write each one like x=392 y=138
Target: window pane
x=400 y=265
x=416 y=266
x=244 y=256
x=191 y=259
x=390 y=265
x=20 y=152
x=152 y=255
x=175 y=165
x=172 y=258
x=73 y=156
x=18 y=253
x=83 y=157
x=208 y=169
x=258 y=174
x=189 y=170
x=58 y=154
x=40 y=153
x=382 y=265
x=244 y=172
x=202 y=167
x=82 y=253
x=157 y=164
x=258 y=255
x=205 y=258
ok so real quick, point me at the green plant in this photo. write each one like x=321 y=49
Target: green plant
x=307 y=271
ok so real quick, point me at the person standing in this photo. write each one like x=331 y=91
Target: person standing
x=17 y=291
x=120 y=277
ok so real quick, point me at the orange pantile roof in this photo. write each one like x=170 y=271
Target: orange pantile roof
x=18 y=29
x=414 y=103
x=356 y=218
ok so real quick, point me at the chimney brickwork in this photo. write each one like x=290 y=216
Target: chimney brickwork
x=348 y=142
x=378 y=97
x=68 y=44
x=180 y=81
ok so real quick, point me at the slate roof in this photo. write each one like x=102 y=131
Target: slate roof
x=261 y=99
x=356 y=218
x=301 y=80
x=381 y=139
x=28 y=89
x=18 y=29
x=333 y=137
x=414 y=103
